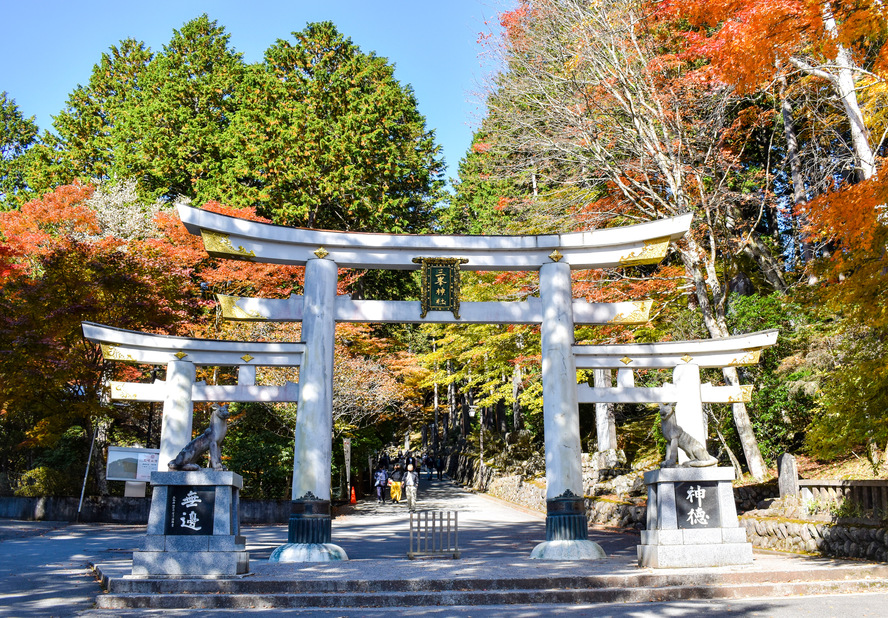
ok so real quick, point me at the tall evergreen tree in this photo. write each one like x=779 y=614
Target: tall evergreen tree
x=17 y=134
x=89 y=127
x=325 y=136
x=185 y=105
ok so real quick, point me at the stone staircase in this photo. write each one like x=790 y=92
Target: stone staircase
x=498 y=587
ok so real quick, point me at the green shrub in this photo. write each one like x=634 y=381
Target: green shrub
x=46 y=481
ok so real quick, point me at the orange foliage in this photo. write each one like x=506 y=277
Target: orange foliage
x=751 y=38
x=40 y=225
x=226 y=276
x=514 y=22
x=850 y=218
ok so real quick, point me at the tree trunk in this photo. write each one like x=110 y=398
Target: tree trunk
x=437 y=420
x=751 y=451
x=464 y=416
x=799 y=195
x=841 y=76
x=605 y=422
x=734 y=461
x=769 y=265
x=517 y=420
x=501 y=425
x=717 y=328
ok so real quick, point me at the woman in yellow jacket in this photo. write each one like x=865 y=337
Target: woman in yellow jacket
x=395 y=483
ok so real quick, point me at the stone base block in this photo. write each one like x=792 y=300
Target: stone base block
x=576 y=549
x=190 y=563
x=704 y=555
x=308 y=552
x=214 y=543
x=702 y=536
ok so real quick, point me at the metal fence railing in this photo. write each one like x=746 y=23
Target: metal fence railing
x=434 y=533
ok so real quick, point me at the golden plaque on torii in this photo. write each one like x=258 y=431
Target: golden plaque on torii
x=440 y=284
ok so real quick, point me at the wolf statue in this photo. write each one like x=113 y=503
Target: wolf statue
x=676 y=438
x=210 y=440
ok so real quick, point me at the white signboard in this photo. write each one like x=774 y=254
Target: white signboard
x=131 y=464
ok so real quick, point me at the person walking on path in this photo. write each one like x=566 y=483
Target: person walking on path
x=428 y=464
x=411 y=482
x=381 y=481
x=395 y=483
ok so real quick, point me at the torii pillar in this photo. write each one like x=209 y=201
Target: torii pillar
x=178 y=411
x=567 y=535
x=309 y=534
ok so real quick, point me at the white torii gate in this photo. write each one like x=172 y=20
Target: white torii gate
x=323 y=252
x=685 y=358
x=179 y=391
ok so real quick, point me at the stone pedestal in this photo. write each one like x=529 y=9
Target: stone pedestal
x=193 y=526
x=692 y=520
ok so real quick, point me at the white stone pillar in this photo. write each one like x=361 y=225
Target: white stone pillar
x=246 y=375
x=309 y=534
x=178 y=411
x=605 y=427
x=567 y=534
x=689 y=405
x=314 y=414
x=561 y=419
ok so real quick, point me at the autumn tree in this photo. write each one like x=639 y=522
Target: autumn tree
x=600 y=104
x=52 y=379
x=753 y=42
x=828 y=60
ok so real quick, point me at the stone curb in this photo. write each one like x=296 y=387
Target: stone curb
x=482 y=597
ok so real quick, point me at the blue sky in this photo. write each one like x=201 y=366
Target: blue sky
x=48 y=47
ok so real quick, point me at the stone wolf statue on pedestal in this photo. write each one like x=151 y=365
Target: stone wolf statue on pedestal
x=210 y=440
x=676 y=438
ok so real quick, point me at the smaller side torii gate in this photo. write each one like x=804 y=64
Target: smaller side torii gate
x=181 y=356
x=685 y=359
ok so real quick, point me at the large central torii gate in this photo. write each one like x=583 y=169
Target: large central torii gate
x=324 y=252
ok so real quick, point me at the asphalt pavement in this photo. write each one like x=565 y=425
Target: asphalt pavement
x=44 y=566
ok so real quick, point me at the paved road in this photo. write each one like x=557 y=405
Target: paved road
x=44 y=565
x=826 y=606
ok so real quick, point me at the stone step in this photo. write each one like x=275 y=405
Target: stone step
x=468 y=595
x=644 y=579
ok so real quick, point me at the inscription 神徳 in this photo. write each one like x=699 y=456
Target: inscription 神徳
x=696 y=505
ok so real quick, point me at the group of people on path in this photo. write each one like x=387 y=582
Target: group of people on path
x=403 y=477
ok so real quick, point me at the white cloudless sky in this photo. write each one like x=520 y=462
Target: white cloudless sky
x=48 y=47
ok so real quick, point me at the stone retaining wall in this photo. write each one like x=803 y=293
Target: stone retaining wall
x=838 y=539
x=622 y=511
x=616 y=512
x=117 y=510
x=849 y=538
x=751 y=497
